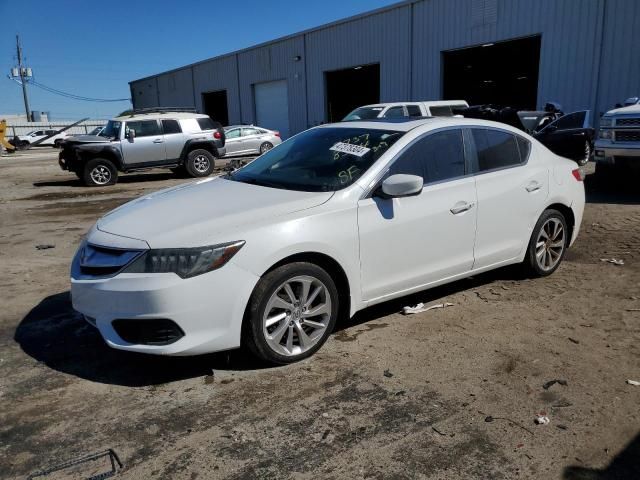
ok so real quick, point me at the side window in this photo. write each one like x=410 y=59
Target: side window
x=144 y=128
x=495 y=149
x=206 y=123
x=249 y=131
x=435 y=157
x=414 y=111
x=38 y=133
x=570 y=121
x=171 y=126
x=524 y=146
x=234 y=133
x=394 y=112
x=443 y=111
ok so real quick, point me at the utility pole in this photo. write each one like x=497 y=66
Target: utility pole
x=23 y=75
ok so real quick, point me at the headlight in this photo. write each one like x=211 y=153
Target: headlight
x=185 y=262
x=606 y=122
x=604 y=134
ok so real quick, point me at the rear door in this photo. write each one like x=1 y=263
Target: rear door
x=252 y=139
x=148 y=144
x=234 y=144
x=511 y=193
x=174 y=139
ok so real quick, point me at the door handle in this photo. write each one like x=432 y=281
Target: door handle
x=158 y=140
x=533 y=187
x=461 y=207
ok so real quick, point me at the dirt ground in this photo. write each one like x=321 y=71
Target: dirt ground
x=445 y=394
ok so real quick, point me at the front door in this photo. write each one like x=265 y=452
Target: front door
x=147 y=146
x=567 y=136
x=407 y=243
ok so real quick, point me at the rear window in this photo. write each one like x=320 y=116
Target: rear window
x=414 y=111
x=496 y=149
x=524 y=146
x=206 y=123
x=171 y=126
x=444 y=111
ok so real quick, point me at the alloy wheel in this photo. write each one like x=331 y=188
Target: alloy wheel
x=550 y=244
x=101 y=175
x=296 y=315
x=201 y=164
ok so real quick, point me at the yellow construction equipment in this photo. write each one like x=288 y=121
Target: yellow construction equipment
x=3 y=141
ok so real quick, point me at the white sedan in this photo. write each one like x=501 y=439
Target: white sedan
x=335 y=219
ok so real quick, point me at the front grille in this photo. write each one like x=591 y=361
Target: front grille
x=148 y=331
x=97 y=261
x=627 y=122
x=627 y=136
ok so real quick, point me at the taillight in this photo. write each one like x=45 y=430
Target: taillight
x=577 y=174
x=277 y=134
x=217 y=135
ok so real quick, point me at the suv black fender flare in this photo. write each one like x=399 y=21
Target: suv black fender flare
x=193 y=144
x=87 y=152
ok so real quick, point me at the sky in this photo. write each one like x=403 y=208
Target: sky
x=94 y=49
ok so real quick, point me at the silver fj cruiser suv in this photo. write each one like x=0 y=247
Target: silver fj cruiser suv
x=183 y=141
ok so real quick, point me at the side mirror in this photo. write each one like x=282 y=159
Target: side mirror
x=131 y=134
x=402 y=185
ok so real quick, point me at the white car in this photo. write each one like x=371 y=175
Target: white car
x=432 y=108
x=335 y=219
x=37 y=136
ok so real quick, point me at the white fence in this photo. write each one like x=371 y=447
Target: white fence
x=23 y=128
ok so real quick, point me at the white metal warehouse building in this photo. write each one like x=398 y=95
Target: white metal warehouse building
x=583 y=54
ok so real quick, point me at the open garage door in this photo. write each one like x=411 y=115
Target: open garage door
x=502 y=73
x=272 y=106
x=214 y=104
x=351 y=88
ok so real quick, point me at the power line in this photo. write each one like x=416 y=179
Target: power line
x=73 y=96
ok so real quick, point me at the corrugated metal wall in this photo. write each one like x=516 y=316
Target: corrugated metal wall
x=588 y=57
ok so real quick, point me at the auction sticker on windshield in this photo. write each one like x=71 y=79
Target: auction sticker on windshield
x=356 y=150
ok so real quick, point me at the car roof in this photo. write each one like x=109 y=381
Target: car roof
x=428 y=103
x=406 y=124
x=160 y=115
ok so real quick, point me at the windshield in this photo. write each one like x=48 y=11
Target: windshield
x=111 y=130
x=319 y=160
x=363 y=113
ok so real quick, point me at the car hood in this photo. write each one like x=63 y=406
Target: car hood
x=631 y=109
x=203 y=212
x=86 y=139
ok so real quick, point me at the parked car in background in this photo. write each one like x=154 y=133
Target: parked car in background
x=48 y=138
x=568 y=135
x=96 y=131
x=337 y=218
x=250 y=140
x=154 y=138
x=437 y=108
x=618 y=144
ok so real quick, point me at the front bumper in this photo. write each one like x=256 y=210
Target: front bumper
x=208 y=308
x=616 y=154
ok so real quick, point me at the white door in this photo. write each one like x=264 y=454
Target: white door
x=272 y=106
x=414 y=241
x=511 y=193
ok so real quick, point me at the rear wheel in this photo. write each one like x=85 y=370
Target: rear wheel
x=265 y=147
x=548 y=244
x=200 y=163
x=291 y=313
x=99 y=172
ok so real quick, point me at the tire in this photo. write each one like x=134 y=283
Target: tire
x=280 y=342
x=544 y=255
x=23 y=145
x=265 y=147
x=587 y=154
x=200 y=163
x=99 y=172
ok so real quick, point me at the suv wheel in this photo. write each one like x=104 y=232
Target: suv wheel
x=99 y=172
x=200 y=163
x=291 y=313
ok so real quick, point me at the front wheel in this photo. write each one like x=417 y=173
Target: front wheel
x=200 y=163
x=291 y=313
x=548 y=244
x=99 y=172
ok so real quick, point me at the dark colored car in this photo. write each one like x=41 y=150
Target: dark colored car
x=568 y=135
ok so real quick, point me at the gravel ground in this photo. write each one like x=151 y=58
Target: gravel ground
x=444 y=394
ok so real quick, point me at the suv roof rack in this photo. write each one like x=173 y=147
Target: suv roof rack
x=139 y=111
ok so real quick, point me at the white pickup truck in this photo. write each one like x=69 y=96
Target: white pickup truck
x=618 y=143
x=435 y=108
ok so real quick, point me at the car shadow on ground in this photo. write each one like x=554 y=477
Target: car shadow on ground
x=619 y=188
x=131 y=178
x=625 y=466
x=54 y=334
